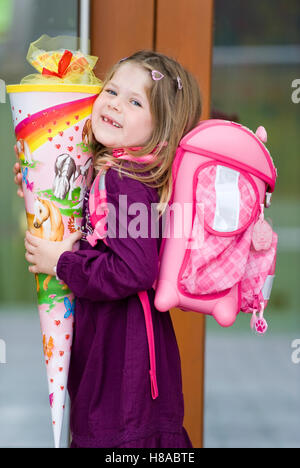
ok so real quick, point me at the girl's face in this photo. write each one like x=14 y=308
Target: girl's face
x=121 y=114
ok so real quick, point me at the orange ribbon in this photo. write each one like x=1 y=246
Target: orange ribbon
x=63 y=65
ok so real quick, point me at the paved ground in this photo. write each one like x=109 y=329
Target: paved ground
x=252 y=388
x=25 y=419
x=252 y=391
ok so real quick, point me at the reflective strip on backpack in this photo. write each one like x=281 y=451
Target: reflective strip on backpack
x=267 y=287
x=227 y=200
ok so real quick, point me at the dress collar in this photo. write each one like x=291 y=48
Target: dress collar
x=121 y=153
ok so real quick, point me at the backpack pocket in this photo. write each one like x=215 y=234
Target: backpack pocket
x=226 y=204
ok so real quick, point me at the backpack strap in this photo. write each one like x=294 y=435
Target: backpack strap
x=97 y=196
x=150 y=336
x=98 y=210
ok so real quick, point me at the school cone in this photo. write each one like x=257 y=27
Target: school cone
x=51 y=125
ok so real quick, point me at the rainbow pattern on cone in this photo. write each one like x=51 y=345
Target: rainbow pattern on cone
x=43 y=126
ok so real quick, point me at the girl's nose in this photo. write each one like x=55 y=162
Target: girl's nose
x=115 y=105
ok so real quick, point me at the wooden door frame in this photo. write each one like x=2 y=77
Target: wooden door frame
x=182 y=29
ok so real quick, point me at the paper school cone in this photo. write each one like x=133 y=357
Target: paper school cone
x=51 y=126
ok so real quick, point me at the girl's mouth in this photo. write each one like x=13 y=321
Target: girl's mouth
x=110 y=121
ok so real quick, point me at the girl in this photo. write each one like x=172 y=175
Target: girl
x=148 y=102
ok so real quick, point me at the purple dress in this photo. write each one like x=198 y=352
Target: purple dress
x=109 y=383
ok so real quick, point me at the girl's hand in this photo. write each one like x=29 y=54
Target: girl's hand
x=18 y=175
x=43 y=254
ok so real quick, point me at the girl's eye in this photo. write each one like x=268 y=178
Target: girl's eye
x=111 y=91
x=136 y=103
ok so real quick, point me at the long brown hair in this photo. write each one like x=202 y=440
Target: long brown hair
x=175 y=104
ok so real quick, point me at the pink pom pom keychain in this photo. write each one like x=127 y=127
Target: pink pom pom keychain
x=262 y=233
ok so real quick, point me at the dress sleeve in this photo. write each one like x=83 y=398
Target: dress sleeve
x=129 y=264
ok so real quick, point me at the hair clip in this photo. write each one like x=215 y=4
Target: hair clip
x=122 y=60
x=179 y=82
x=156 y=75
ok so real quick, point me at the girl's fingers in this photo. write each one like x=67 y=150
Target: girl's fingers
x=29 y=257
x=18 y=179
x=18 y=175
x=29 y=247
x=33 y=240
x=20 y=193
x=16 y=168
x=74 y=237
x=33 y=269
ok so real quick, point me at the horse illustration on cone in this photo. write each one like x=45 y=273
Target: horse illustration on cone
x=45 y=223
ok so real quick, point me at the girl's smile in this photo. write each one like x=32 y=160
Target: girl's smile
x=110 y=121
x=121 y=114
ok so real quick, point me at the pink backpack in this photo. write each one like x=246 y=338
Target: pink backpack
x=218 y=254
